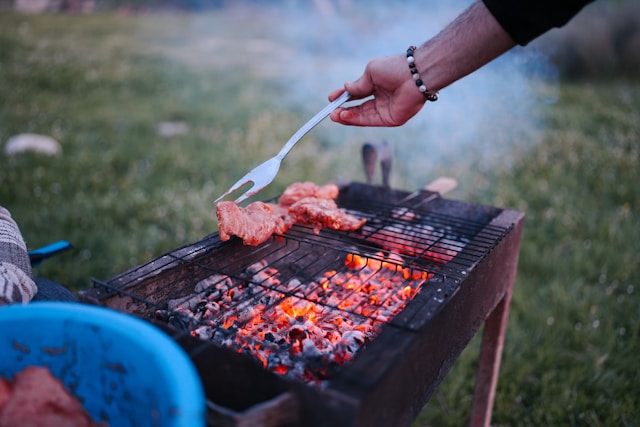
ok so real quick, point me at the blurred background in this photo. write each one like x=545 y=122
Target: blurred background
x=122 y=121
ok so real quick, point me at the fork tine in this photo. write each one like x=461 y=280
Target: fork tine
x=242 y=181
x=263 y=174
x=247 y=194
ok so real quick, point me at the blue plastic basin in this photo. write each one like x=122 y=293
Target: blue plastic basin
x=124 y=370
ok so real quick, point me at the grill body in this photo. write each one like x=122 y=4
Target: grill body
x=391 y=378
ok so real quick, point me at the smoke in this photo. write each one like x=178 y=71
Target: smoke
x=483 y=119
x=313 y=47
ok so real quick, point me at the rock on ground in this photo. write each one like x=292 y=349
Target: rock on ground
x=32 y=142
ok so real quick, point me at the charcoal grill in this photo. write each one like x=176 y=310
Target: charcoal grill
x=469 y=251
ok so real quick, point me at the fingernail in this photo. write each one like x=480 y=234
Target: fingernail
x=346 y=115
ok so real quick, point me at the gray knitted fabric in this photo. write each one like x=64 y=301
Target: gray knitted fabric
x=16 y=283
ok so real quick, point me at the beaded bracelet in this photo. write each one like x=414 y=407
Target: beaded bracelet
x=416 y=76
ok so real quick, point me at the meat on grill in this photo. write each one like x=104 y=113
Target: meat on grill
x=300 y=190
x=305 y=203
x=319 y=213
x=37 y=398
x=253 y=224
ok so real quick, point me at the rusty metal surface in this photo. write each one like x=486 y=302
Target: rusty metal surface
x=391 y=378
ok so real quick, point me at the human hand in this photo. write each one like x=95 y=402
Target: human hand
x=396 y=99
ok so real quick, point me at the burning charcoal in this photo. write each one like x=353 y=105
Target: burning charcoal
x=225 y=284
x=312 y=328
x=246 y=312
x=203 y=332
x=297 y=334
x=215 y=280
x=309 y=349
x=298 y=371
x=325 y=346
x=333 y=301
x=189 y=302
x=270 y=298
x=319 y=368
x=382 y=318
x=179 y=322
x=305 y=335
x=258 y=266
x=200 y=307
x=367 y=329
x=215 y=295
x=162 y=314
x=353 y=340
x=220 y=334
x=265 y=278
x=331 y=336
x=273 y=360
x=278 y=358
x=253 y=293
x=211 y=310
x=341 y=353
x=293 y=284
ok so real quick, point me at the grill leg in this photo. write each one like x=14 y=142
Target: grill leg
x=489 y=362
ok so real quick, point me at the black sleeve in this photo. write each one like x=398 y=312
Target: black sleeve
x=527 y=19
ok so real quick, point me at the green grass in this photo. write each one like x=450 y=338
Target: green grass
x=120 y=193
x=124 y=195
x=572 y=342
x=576 y=310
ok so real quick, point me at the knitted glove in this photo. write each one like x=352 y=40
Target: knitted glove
x=16 y=284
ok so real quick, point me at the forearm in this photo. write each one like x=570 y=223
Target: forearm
x=472 y=40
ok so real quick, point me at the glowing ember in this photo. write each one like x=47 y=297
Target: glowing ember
x=301 y=331
x=412 y=237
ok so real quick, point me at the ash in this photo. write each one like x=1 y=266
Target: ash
x=303 y=331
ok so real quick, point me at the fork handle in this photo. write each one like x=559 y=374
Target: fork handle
x=312 y=122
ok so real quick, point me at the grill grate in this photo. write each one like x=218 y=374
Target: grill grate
x=442 y=244
x=344 y=285
x=468 y=252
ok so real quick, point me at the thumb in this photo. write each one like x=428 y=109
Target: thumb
x=361 y=88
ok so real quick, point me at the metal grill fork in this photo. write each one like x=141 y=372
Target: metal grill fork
x=263 y=174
